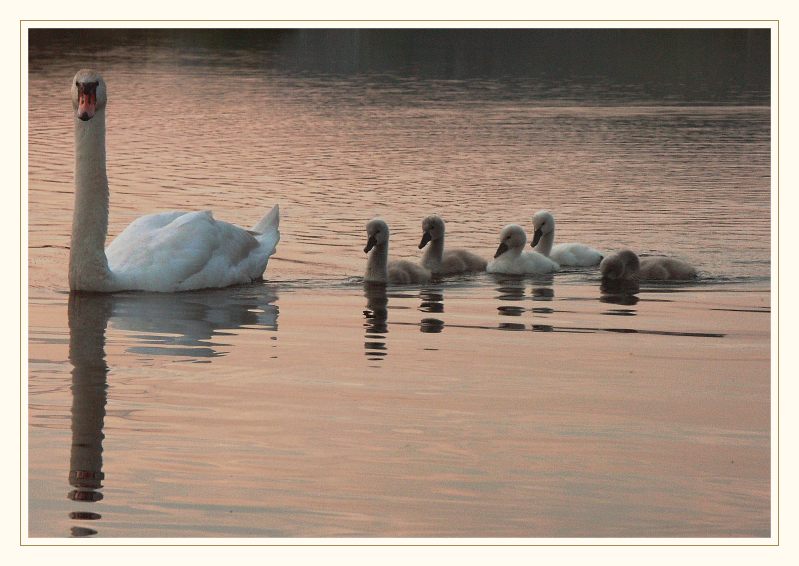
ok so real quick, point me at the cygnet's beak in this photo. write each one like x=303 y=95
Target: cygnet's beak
x=370 y=243
x=503 y=247
x=536 y=236
x=425 y=239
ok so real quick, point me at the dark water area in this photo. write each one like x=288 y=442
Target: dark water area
x=711 y=66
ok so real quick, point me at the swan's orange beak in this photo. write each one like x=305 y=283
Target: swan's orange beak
x=87 y=100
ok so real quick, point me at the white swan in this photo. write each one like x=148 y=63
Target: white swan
x=378 y=268
x=511 y=259
x=578 y=255
x=627 y=266
x=445 y=262
x=168 y=251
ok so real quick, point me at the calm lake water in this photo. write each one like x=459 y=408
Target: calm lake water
x=309 y=405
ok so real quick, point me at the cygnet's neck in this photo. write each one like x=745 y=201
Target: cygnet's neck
x=544 y=245
x=514 y=252
x=434 y=254
x=88 y=266
x=377 y=264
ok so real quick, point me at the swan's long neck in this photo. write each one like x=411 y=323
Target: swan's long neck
x=544 y=245
x=88 y=266
x=434 y=254
x=377 y=265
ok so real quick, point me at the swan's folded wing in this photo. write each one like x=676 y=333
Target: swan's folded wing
x=578 y=255
x=165 y=250
x=460 y=261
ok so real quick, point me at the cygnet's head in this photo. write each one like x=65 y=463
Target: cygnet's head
x=377 y=233
x=512 y=237
x=622 y=265
x=88 y=94
x=432 y=229
x=543 y=223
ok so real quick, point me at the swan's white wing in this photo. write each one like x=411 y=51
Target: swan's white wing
x=182 y=250
x=578 y=255
x=523 y=264
x=267 y=231
x=535 y=262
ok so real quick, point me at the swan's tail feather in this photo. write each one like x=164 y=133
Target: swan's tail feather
x=266 y=231
x=268 y=222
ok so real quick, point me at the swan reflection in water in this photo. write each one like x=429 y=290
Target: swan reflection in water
x=432 y=301
x=513 y=289
x=168 y=324
x=88 y=318
x=376 y=316
x=183 y=324
x=622 y=292
x=375 y=321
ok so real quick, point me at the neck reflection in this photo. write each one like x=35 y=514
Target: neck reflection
x=176 y=325
x=88 y=318
x=431 y=301
x=619 y=292
x=375 y=321
x=513 y=289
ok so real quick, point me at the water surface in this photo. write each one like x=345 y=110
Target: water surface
x=311 y=405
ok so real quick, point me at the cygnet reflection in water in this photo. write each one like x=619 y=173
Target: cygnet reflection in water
x=510 y=288
x=619 y=292
x=432 y=300
x=512 y=326
x=620 y=288
x=375 y=321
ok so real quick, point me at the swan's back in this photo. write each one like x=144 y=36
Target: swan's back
x=576 y=255
x=666 y=269
x=406 y=272
x=180 y=251
x=626 y=265
x=461 y=261
x=523 y=264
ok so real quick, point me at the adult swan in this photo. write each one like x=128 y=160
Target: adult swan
x=168 y=251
